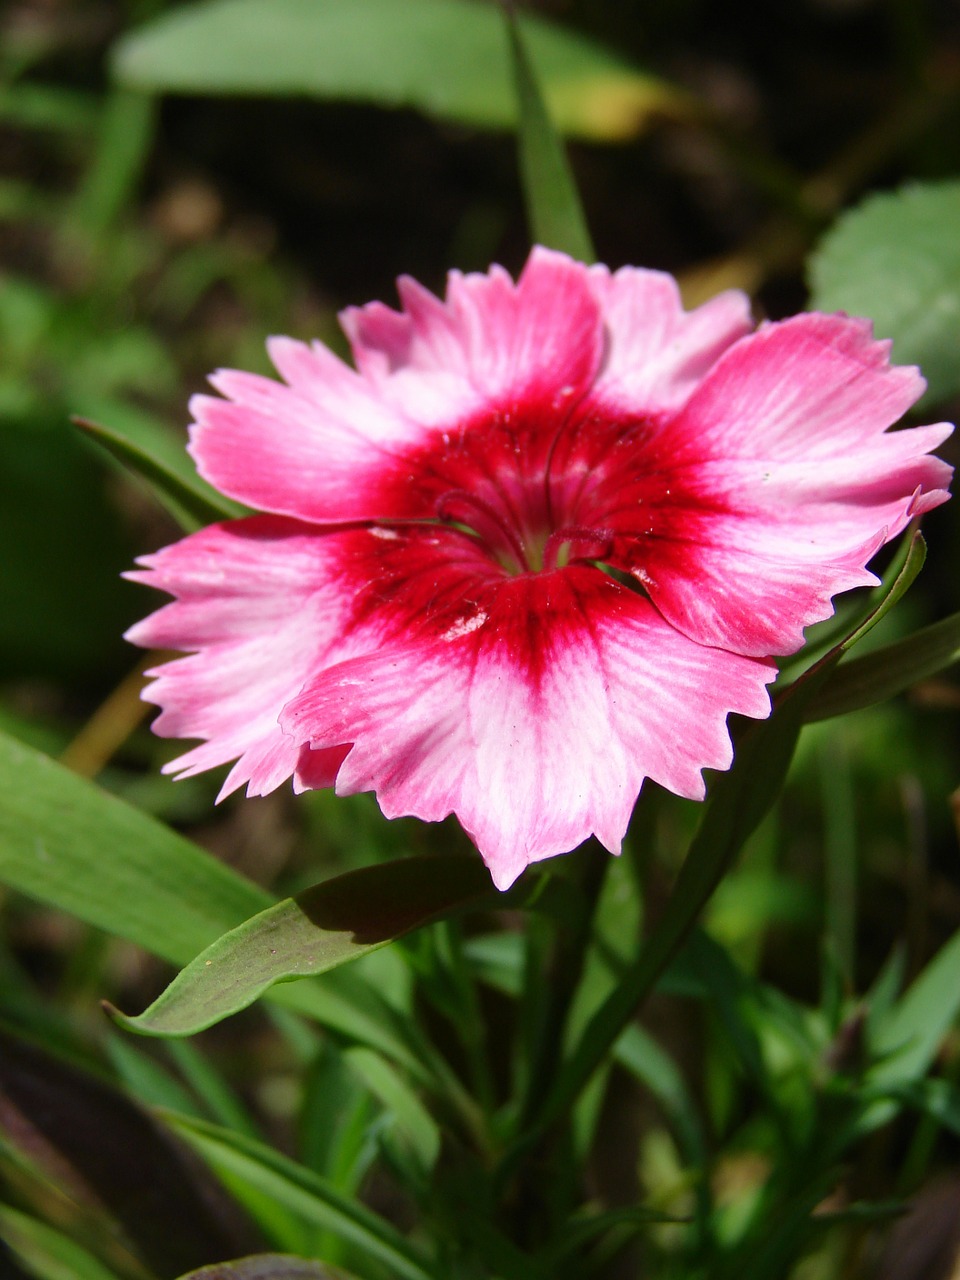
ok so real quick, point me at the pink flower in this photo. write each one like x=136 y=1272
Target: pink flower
x=534 y=550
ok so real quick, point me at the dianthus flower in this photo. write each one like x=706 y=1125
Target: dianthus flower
x=534 y=549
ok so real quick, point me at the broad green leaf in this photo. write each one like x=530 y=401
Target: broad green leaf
x=554 y=213
x=896 y=259
x=191 y=502
x=877 y=676
x=304 y=1193
x=326 y=926
x=909 y=1034
x=446 y=58
x=69 y=844
x=268 y=1266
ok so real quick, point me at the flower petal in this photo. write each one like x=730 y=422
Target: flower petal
x=315 y=448
x=773 y=487
x=658 y=352
x=334 y=445
x=800 y=389
x=538 y=726
x=258 y=600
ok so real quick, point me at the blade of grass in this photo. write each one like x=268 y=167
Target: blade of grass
x=304 y=1193
x=190 y=504
x=554 y=212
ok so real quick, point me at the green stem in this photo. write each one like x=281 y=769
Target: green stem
x=558 y=981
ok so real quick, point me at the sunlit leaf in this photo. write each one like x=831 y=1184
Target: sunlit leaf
x=896 y=259
x=446 y=58
x=326 y=926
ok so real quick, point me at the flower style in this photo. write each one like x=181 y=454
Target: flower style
x=534 y=549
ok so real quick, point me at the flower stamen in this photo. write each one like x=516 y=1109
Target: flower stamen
x=460 y=506
x=573 y=542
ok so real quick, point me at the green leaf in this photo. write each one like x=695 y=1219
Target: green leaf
x=46 y=1251
x=897 y=581
x=883 y=674
x=268 y=1266
x=446 y=58
x=909 y=1034
x=554 y=212
x=67 y=843
x=302 y=1192
x=396 y=1095
x=326 y=926
x=191 y=502
x=896 y=259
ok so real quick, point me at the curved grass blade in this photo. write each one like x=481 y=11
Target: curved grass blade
x=191 y=502
x=328 y=925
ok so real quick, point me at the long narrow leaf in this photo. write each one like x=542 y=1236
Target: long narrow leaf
x=190 y=501
x=69 y=844
x=883 y=674
x=554 y=212
x=304 y=1193
x=65 y=842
